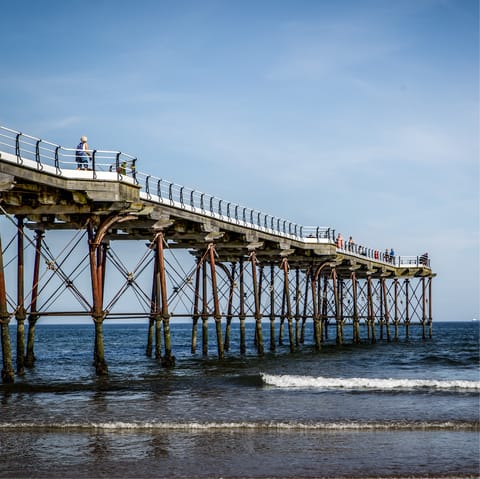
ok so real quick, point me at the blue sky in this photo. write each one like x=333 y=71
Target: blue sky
x=360 y=115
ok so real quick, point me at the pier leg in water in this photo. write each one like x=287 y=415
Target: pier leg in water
x=297 y=307
x=386 y=309
x=168 y=359
x=424 y=310
x=231 y=291
x=430 y=318
x=33 y=316
x=258 y=314
x=381 y=305
x=338 y=309
x=371 y=316
x=97 y=256
x=20 y=313
x=395 y=302
x=407 y=309
x=216 y=305
x=272 y=307
x=282 y=316
x=356 y=324
x=324 y=307
x=8 y=375
x=286 y=283
x=204 y=310
x=153 y=308
x=305 y=305
x=196 y=314
x=242 y=316
x=317 y=332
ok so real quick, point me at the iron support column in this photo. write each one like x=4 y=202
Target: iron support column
x=243 y=348
x=286 y=288
x=386 y=309
x=407 y=309
x=258 y=313
x=231 y=291
x=338 y=317
x=33 y=316
x=196 y=314
x=216 y=305
x=204 y=309
x=8 y=375
x=371 y=315
x=272 y=307
x=20 y=314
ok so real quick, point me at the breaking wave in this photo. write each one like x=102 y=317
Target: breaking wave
x=312 y=382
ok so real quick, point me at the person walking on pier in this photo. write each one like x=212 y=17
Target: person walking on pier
x=339 y=241
x=82 y=154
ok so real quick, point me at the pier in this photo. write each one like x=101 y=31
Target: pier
x=197 y=256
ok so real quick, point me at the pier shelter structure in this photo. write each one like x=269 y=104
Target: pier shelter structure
x=244 y=264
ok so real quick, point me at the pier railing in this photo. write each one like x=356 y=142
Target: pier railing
x=166 y=192
x=44 y=153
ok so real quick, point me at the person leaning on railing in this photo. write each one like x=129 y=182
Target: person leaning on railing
x=82 y=154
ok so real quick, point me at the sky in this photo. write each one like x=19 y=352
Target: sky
x=361 y=115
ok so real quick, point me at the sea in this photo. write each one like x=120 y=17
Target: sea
x=399 y=409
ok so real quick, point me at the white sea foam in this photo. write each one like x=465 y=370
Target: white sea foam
x=312 y=382
x=239 y=426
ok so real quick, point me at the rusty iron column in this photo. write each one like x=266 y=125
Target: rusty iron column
x=242 y=316
x=324 y=324
x=356 y=325
x=430 y=318
x=272 y=307
x=297 y=307
x=407 y=309
x=204 y=309
x=97 y=258
x=153 y=309
x=317 y=330
x=168 y=359
x=338 y=318
x=395 y=300
x=258 y=312
x=424 y=310
x=157 y=302
x=96 y=273
x=231 y=292
x=286 y=289
x=260 y=290
x=216 y=305
x=196 y=314
x=8 y=375
x=305 y=304
x=33 y=315
x=386 y=309
x=371 y=315
x=381 y=305
x=20 y=313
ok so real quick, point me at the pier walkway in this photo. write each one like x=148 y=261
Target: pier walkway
x=247 y=263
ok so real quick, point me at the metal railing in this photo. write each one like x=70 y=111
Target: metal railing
x=172 y=194
x=26 y=147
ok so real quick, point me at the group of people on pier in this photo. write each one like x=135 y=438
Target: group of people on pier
x=388 y=255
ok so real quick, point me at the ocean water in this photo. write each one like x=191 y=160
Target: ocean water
x=401 y=409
